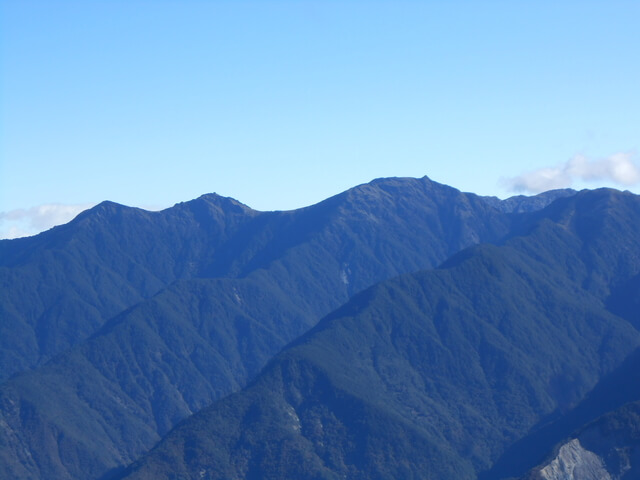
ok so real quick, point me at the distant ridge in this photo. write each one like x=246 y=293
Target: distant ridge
x=453 y=324
x=432 y=374
x=523 y=203
x=104 y=329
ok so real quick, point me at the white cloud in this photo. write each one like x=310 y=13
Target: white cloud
x=539 y=180
x=619 y=168
x=24 y=222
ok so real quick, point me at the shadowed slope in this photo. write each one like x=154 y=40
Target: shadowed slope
x=606 y=426
x=615 y=390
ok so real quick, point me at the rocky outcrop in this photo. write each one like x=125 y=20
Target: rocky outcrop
x=574 y=462
x=606 y=449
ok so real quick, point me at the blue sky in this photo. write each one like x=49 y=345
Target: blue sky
x=282 y=104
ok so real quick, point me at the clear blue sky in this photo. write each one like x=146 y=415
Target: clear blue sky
x=282 y=104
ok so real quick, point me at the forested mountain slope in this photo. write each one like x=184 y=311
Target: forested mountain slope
x=227 y=288
x=604 y=439
x=434 y=374
x=59 y=287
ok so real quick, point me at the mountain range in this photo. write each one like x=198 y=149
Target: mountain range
x=401 y=329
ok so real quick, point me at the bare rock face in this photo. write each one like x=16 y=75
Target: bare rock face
x=574 y=462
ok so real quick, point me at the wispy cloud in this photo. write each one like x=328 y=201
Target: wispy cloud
x=24 y=222
x=619 y=168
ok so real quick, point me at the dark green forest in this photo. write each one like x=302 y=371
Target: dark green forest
x=401 y=329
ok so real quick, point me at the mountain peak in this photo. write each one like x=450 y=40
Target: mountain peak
x=222 y=201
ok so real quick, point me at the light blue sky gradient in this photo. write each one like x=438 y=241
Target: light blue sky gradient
x=282 y=104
